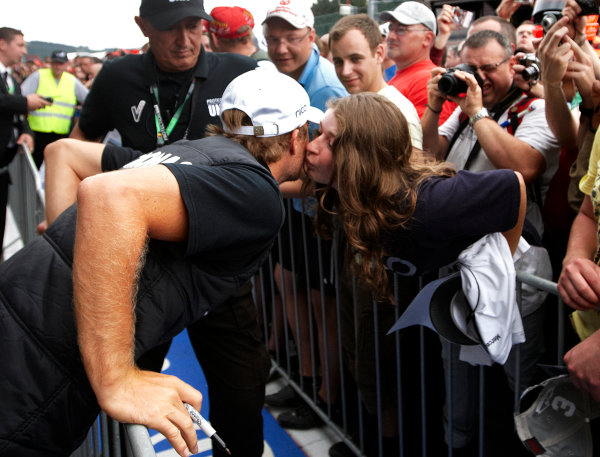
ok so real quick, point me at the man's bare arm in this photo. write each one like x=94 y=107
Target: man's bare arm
x=514 y=234
x=434 y=145
x=117 y=213
x=579 y=281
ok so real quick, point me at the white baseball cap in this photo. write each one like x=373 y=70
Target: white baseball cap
x=295 y=12
x=475 y=307
x=410 y=13
x=274 y=102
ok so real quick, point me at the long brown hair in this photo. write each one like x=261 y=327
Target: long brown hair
x=377 y=174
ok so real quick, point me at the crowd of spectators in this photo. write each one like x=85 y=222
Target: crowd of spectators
x=500 y=92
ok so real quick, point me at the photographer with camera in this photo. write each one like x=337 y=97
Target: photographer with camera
x=568 y=70
x=496 y=126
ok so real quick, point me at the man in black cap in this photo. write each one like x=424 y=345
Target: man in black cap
x=64 y=91
x=168 y=94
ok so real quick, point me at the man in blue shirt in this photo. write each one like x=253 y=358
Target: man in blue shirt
x=290 y=36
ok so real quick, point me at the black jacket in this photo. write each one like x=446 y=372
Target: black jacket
x=46 y=402
x=13 y=113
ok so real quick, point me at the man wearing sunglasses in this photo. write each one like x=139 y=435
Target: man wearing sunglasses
x=496 y=126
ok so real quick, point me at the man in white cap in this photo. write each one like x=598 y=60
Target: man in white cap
x=184 y=233
x=290 y=37
x=411 y=33
x=170 y=93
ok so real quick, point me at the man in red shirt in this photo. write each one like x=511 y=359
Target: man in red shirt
x=411 y=34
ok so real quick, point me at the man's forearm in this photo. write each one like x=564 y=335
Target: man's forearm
x=109 y=244
x=432 y=145
x=505 y=151
x=559 y=116
x=582 y=239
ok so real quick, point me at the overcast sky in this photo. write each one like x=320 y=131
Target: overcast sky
x=97 y=24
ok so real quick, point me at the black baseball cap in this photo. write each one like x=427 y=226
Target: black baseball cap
x=163 y=14
x=59 y=56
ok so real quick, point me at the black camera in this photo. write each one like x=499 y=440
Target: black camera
x=547 y=12
x=532 y=64
x=449 y=84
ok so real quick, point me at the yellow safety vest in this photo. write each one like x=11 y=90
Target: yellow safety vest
x=56 y=117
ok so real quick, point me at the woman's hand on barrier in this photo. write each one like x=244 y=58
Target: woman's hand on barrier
x=156 y=401
x=583 y=362
x=579 y=284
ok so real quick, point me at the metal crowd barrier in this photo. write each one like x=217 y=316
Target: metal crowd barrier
x=26 y=194
x=417 y=428
x=27 y=203
x=421 y=401
x=106 y=439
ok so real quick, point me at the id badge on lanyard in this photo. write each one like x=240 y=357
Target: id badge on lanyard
x=162 y=132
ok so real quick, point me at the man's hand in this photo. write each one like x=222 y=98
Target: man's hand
x=519 y=81
x=576 y=23
x=27 y=139
x=555 y=53
x=579 y=284
x=155 y=400
x=35 y=101
x=580 y=70
x=507 y=8
x=435 y=99
x=446 y=25
x=472 y=102
x=583 y=362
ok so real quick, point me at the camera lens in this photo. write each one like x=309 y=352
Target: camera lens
x=530 y=73
x=549 y=20
x=451 y=85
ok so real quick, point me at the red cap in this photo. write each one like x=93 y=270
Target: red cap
x=228 y=20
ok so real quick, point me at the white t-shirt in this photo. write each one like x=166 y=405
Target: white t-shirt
x=533 y=130
x=409 y=111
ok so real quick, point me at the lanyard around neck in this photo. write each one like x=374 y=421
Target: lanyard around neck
x=162 y=132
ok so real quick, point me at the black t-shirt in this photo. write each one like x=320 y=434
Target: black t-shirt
x=450 y=215
x=233 y=202
x=235 y=212
x=120 y=97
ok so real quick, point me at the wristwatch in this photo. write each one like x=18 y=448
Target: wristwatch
x=479 y=115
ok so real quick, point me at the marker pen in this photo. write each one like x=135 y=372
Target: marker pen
x=206 y=427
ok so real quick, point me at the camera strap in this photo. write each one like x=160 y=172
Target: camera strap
x=496 y=112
